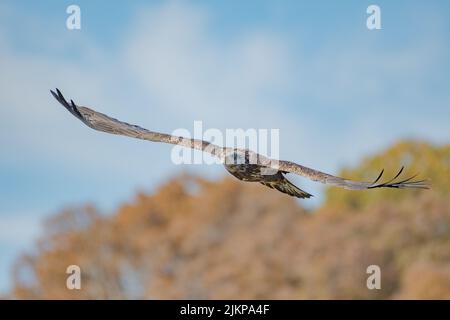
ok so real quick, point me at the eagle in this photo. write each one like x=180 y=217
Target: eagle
x=243 y=164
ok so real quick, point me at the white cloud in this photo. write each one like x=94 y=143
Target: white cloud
x=19 y=229
x=192 y=74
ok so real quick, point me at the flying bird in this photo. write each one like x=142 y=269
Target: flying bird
x=243 y=164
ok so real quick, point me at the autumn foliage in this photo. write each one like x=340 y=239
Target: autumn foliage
x=195 y=238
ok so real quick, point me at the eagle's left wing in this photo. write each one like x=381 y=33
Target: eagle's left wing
x=326 y=178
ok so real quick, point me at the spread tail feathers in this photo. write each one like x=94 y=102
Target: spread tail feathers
x=285 y=186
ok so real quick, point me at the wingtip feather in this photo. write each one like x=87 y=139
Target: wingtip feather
x=403 y=184
x=72 y=107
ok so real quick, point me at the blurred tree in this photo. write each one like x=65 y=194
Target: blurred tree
x=199 y=239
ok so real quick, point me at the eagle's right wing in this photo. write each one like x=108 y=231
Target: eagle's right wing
x=102 y=122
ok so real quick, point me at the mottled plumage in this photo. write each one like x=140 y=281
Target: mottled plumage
x=261 y=169
x=240 y=166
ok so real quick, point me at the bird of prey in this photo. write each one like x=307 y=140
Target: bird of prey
x=244 y=164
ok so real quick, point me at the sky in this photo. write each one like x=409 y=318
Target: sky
x=336 y=90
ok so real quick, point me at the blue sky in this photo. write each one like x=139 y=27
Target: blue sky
x=336 y=91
